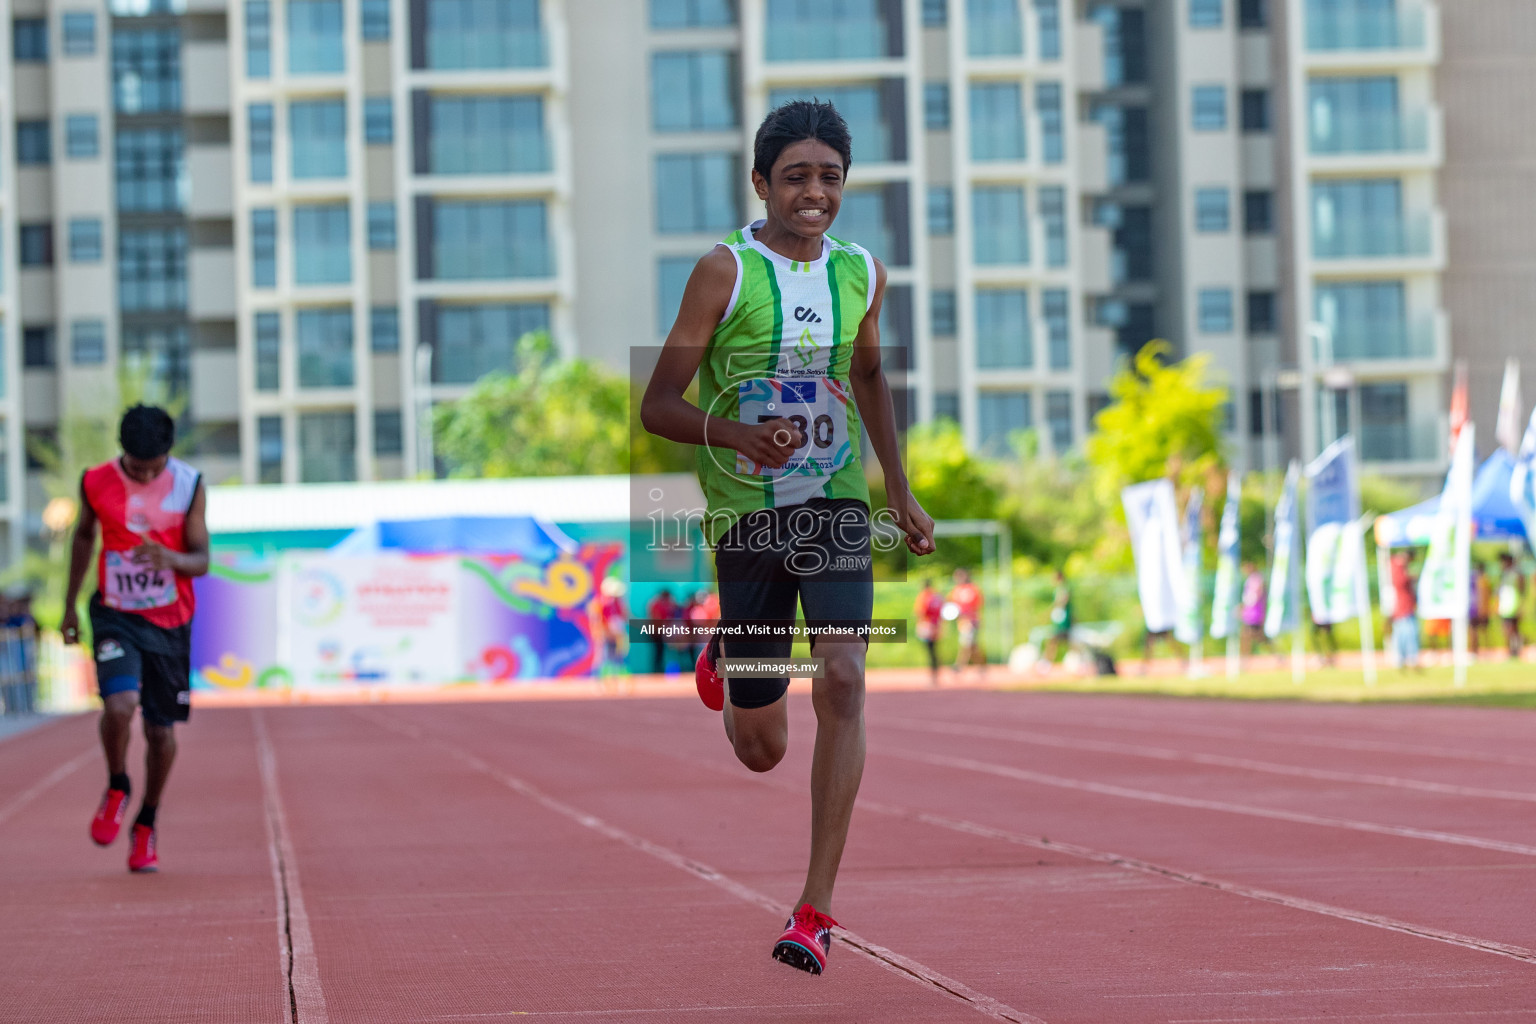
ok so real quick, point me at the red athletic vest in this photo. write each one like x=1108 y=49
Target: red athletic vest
x=130 y=513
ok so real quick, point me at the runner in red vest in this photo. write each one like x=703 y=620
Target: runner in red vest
x=154 y=540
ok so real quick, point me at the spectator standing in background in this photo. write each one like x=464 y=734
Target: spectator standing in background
x=612 y=624
x=1405 y=619
x=1479 y=598
x=1251 y=608
x=967 y=599
x=927 y=613
x=1511 y=600
x=662 y=609
x=1061 y=618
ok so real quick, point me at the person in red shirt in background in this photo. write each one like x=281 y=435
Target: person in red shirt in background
x=927 y=613
x=662 y=608
x=612 y=624
x=1405 y=619
x=967 y=599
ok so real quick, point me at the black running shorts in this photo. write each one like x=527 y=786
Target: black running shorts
x=817 y=554
x=135 y=654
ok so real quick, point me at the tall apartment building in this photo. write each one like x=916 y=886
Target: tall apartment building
x=314 y=219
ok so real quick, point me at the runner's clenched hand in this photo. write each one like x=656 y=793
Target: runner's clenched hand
x=153 y=555
x=770 y=443
x=915 y=523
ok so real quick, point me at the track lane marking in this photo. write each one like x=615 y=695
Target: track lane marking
x=47 y=782
x=300 y=967
x=1214 y=760
x=892 y=961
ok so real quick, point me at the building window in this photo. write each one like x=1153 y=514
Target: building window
x=1000 y=225
x=82 y=136
x=258 y=39
x=993 y=28
x=1369 y=320
x=1003 y=329
x=381 y=225
x=29 y=39
x=1205 y=13
x=317 y=135
x=1215 y=310
x=378 y=120
x=384 y=329
x=1213 y=210
x=1048 y=17
x=1056 y=311
x=388 y=433
x=1053 y=217
x=1258 y=212
x=997 y=121
x=696 y=192
x=264 y=248
x=1000 y=415
x=692 y=13
x=480 y=239
x=935 y=13
x=79 y=33
x=152 y=269
x=260 y=141
x=37 y=348
x=876 y=115
x=269 y=351
x=482 y=135
x=941 y=210
x=88 y=342
x=470 y=341
x=1261 y=313
x=480 y=34
x=327 y=447
x=946 y=405
x=877 y=219
x=1058 y=419
x=375 y=21
x=694 y=91
x=1053 y=145
x=807 y=30
x=36 y=245
x=1358 y=115
x=322 y=245
x=315 y=42
x=151 y=170
x=163 y=355
x=269 y=449
x=85 y=240
x=33 y=143
x=936 y=106
x=1209 y=108
x=943 y=312
x=325 y=347
x=1362 y=217
x=672 y=273
x=1252 y=14
x=1255 y=110
x=146 y=70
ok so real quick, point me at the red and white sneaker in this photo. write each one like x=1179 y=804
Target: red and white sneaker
x=109 y=817
x=707 y=678
x=807 y=938
x=142 y=859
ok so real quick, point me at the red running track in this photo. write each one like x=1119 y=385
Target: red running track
x=1025 y=857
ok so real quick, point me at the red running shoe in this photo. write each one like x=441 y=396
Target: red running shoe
x=807 y=938
x=707 y=679
x=142 y=859
x=109 y=817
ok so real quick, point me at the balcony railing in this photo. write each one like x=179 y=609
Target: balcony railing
x=1356 y=26
x=1422 y=439
x=827 y=37
x=1361 y=341
x=1333 y=134
x=1355 y=239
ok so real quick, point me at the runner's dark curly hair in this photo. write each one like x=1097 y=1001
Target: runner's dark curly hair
x=797 y=121
x=147 y=432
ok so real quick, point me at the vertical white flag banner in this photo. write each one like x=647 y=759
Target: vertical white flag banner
x=1333 y=540
x=1282 y=611
x=1224 y=603
x=1507 y=430
x=1522 y=482
x=1444 y=580
x=1152 y=516
x=1192 y=545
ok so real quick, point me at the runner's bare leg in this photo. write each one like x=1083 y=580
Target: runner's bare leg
x=116 y=726
x=837 y=767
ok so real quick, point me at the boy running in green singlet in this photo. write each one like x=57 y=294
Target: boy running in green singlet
x=780 y=322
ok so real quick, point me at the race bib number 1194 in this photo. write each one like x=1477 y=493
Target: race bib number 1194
x=133 y=587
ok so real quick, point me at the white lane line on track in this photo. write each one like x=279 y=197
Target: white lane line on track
x=1168 y=799
x=42 y=785
x=300 y=968
x=889 y=959
x=1131 y=864
x=1214 y=760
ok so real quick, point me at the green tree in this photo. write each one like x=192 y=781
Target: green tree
x=1164 y=417
x=550 y=417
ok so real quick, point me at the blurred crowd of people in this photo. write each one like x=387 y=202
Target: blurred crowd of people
x=701 y=608
x=961 y=606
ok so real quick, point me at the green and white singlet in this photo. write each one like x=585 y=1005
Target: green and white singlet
x=784 y=349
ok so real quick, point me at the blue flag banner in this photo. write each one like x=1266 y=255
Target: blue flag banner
x=1284 y=589
x=1224 y=604
x=1333 y=541
x=1522 y=482
x=1193 y=540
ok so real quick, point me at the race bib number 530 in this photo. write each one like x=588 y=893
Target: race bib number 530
x=818 y=406
x=132 y=587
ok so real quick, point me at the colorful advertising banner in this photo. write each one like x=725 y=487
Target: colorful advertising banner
x=1192 y=537
x=1444 y=581
x=1522 y=482
x=319 y=621
x=1334 y=552
x=1228 y=555
x=1284 y=581
x=1153 y=518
